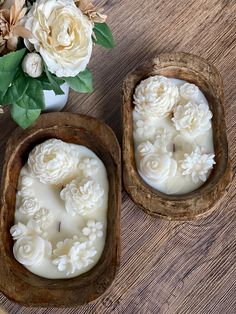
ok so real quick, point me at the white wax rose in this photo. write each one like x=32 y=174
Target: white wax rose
x=197 y=165
x=82 y=196
x=62 y=35
x=158 y=167
x=29 y=205
x=192 y=119
x=52 y=162
x=144 y=129
x=25 y=181
x=30 y=250
x=89 y=166
x=145 y=148
x=189 y=91
x=32 y=64
x=72 y=254
x=155 y=96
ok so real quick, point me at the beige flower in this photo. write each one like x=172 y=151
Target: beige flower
x=10 y=25
x=87 y=7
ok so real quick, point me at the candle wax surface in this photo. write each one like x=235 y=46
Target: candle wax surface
x=64 y=225
x=178 y=184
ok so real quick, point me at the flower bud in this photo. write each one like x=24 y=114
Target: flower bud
x=32 y=64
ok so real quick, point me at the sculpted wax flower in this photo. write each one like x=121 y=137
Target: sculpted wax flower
x=82 y=196
x=93 y=230
x=197 y=165
x=29 y=206
x=155 y=96
x=30 y=250
x=62 y=35
x=71 y=255
x=158 y=167
x=192 y=119
x=52 y=161
x=189 y=91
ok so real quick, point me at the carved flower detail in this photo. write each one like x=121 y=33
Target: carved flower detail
x=144 y=129
x=158 y=167
x=192 y=119
x=89 y=166
x=30 y=250
x=52 y=162
x=41 y=221
x=145 y=148
x=29 y=206
x=155 y=96
x=93 y=230
x=26 y=181
x=189 y=91
x=197 y=165
x=82 y=196
x=163 y=142
x=18 y=231
x=72 y=255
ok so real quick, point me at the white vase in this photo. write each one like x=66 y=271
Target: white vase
x=56 y=102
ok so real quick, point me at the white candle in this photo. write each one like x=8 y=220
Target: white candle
x=61 y=210
x=173 y=136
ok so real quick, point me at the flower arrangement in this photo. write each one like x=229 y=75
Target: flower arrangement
x=43 y=44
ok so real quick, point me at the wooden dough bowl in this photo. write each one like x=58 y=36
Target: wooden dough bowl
x=16 y=282
x=202 y=201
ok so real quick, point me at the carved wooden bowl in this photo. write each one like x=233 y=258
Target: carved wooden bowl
x=202 y=201
x=16 y=282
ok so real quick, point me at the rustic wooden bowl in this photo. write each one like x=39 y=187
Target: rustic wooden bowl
x=16 y=282
x=202 y=201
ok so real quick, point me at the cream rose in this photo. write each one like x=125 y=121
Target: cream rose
x=189 y=91
x=155 y=96
x=30 y=250
x=29 y=205
x=62 y=35
x=82 y=196
x=192 y=119
x=158 y=167
x=52 y=161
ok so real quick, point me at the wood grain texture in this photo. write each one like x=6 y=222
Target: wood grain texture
x=166 y=267
x=201 y=202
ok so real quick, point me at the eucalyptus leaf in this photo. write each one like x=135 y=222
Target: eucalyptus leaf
x=82 y=83
x=55 y=82
x=103 y=35
x=24 y=117
x=8 y=69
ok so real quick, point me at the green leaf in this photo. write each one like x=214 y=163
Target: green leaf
x=55 y=82
x=24 y=117
x=17 y=89
x=82 y=83
x=46 y=85
x=35 y=94
x=8 y=69
x=103 y=35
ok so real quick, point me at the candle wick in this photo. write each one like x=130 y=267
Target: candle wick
x=174 y=147
x=59 y=226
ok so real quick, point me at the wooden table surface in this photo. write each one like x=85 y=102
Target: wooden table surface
x=166 y=267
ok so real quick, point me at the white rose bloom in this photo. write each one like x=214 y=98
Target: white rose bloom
x=82 y=196
x=145 y=148
x=29 y=205
x=18 y=231
x=32 y=64
x=158 y=167
x=89 y=166
x=30 y=250
x=62 y=35
x=144 y=129
x=197 y=165
x=93 y=230
x=192 y=119
x=25 y=191
x=52 y=162
x=189 y=91
x=155 y=96
x=41 y=221
x=72 y=255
